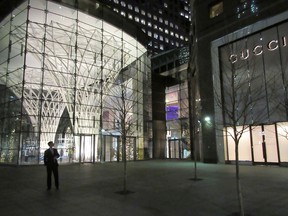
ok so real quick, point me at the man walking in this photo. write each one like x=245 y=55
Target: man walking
x=50 y=161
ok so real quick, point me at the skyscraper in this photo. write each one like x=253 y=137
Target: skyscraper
x=166 y=22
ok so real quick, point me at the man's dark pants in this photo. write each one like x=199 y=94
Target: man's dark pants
x=53 y=169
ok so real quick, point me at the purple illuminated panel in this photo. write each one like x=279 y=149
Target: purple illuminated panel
x=172 y=112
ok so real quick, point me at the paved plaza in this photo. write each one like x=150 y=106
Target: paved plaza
x=158 y=187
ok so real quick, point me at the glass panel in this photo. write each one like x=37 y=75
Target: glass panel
x=271 y=145
x=35 y=38
x=66 y=13
x=34 y=60
x=9 y=156
x=257 y=144
x=108 y=151
x=4 y=33
x=33 y=75
x=4 y=57
x=111 y=148
x=77 y=148
x=230 y=145
x=282 y=129
x=36 y=15
x=86 y=149
x=174 y=148
x=225 y=144
x=245 y=146
x=20 y=17
x=29 y=153
x=38 y=4
x=130 y=148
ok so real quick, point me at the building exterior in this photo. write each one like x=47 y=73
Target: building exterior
x=242 y=64
x=68 y=67
x=167 y=25
x=72 y=73
x=166 y=22
x=171 y=133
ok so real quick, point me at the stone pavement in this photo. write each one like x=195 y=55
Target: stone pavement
x=158 y=187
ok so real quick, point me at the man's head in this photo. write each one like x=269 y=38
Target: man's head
x=50 y=144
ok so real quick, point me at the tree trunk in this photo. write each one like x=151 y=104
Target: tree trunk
x=125 y=165
x=238 y=183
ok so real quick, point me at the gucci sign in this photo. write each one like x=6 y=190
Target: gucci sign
x=258 y=50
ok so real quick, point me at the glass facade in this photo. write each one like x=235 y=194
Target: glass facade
x=65 y=76
x=177 y=120
x=254 y=73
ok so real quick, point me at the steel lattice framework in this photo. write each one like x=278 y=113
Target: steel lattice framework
x=65 y=60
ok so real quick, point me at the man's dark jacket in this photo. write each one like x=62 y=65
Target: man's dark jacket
x=50 y=159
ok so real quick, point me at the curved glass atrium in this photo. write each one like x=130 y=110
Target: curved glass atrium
x=71 y=78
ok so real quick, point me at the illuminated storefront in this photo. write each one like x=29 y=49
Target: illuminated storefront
x=256 y=59
x=177 y=122
x=63 y=76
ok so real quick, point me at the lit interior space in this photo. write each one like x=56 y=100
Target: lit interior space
x=65 y=77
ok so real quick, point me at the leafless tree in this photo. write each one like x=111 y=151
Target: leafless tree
x=193 y=91
x=241 y=95
x=124 y=103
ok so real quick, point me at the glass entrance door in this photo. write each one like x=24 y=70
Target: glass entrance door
x=175 y=149
x=87 y=148
x=84 y=151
